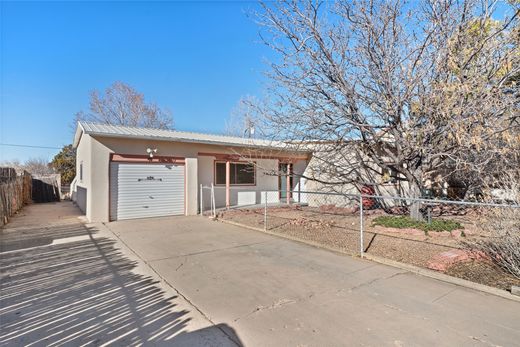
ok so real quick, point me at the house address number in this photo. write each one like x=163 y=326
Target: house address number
x=149 y=178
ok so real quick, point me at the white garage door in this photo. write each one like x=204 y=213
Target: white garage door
x=146 y=190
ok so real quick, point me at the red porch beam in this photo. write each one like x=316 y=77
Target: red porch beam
x=228 y=182
x=288 y=183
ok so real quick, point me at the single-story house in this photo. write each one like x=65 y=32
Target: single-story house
x=127 y=172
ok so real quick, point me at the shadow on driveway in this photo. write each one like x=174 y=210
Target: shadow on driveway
x=84 y=292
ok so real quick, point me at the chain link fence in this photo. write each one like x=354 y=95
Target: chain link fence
x=430 y=233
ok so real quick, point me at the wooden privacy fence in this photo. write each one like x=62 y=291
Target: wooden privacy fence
x=46 y=188
x=15 y=192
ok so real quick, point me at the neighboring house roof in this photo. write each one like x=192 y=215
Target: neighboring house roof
x=107 y=130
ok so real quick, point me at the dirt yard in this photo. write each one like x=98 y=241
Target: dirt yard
x=340 y=230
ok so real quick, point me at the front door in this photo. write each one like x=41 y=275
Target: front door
x=282 y=181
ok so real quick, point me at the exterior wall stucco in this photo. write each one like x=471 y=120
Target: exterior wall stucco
x=83 y=162
x=299 y=183
x=99 y=171
x=399 y=188
x=191 y=172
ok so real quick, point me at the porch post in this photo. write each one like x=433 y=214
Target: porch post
x=288 y=184
x=228 y=181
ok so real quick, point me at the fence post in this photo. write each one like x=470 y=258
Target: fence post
x=265 y=211
x=214 y=210
x=361 y=243
x=211 y=200
x=201 y=202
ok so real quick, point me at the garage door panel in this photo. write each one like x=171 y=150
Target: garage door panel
x=143 y=186
x=145 y=205
x=151 y=204
x=141 y=190
x=164 y=189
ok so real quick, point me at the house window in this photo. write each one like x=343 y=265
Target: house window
x=81 y=172
x=240 y=173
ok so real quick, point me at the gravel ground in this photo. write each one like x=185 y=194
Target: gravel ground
x=404 y=250
x=484 y=273
x=341 y=232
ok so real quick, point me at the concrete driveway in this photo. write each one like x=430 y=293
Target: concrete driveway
x=62 y=283
x=273 y=291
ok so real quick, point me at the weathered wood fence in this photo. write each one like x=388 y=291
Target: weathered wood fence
x=15 y=192
x=46 y=188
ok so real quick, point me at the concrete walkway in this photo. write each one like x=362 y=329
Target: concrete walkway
x=62 y=283
x=278 y=292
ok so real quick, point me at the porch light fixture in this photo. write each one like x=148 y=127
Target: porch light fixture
x=151 y=152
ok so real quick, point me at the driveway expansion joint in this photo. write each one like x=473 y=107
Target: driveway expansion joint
x=369 y=283
x=207 y=252
x=275 y=305
x=444 y=295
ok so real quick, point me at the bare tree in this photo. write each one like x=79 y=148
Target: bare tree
x=15 y=164
x=35 y=166
x=246 y=119
x=373 y=86
x=123 y=105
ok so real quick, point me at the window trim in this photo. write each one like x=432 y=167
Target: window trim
x=234 y=184
x=81 y=171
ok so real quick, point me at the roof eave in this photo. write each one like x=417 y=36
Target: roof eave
x=169 y=139
x=77 y=135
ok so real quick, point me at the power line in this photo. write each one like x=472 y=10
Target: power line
x=29 y=146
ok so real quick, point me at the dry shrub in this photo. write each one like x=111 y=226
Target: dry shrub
x=502 y=227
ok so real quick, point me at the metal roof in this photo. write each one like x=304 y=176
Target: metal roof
x=107 y=130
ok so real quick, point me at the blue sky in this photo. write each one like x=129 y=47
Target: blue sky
x=195 y=58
